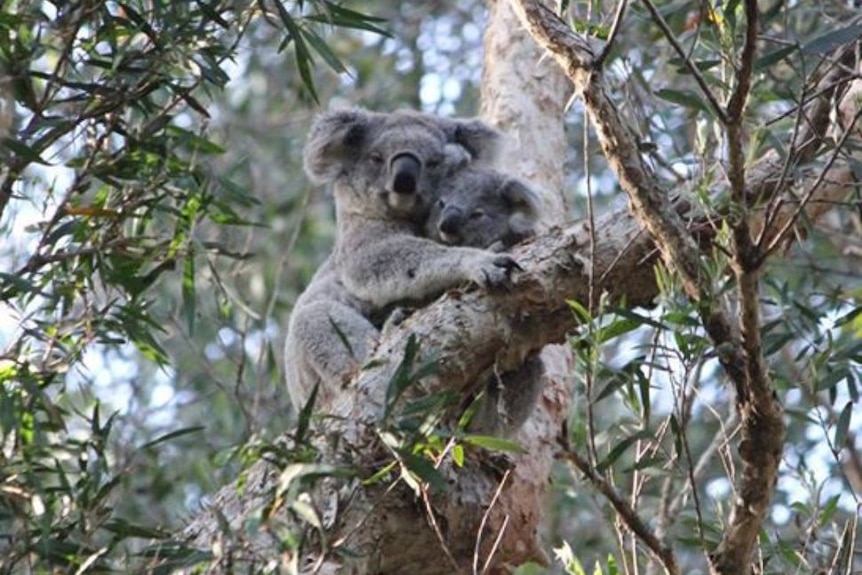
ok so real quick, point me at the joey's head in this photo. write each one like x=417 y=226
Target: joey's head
x=483 y=208
x=391 y=164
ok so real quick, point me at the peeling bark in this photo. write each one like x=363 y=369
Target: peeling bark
x=531 y=316
x=475 y=521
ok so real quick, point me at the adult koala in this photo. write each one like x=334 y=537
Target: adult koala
x=484 y=208
x=385 y=169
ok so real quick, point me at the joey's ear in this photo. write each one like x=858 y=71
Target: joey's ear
x=481 y=140
x=455 y=157
x=519 y=197
x=333 y=141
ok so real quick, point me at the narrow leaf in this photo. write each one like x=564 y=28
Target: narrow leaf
x=172 y=435
x=842 y=427
x=832 y=39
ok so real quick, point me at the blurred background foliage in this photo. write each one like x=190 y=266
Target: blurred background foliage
x=156 y=227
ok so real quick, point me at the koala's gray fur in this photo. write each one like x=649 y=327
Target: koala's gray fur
x=484 y=208
x=385 y=170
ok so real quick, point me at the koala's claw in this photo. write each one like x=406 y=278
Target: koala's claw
x=497 y=274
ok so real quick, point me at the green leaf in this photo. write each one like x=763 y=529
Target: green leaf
x=458 y=455
x=494 y=443
x=831 y=378
x=684 y=98
x=423 y=469
x=833 y=39
x=301 y=52
x=768 y=60
x=171 y=435
x=24 y=151
x=615 y=382
x=620 y=448
x=403 y=376
x=842 y=426
x=323 y=49
x=304 y=420
x=579 y=310
x=125 y=530
x=299 y=472
x=617 y=328
x=346 y=18
x=188 y=292
x=12 y=285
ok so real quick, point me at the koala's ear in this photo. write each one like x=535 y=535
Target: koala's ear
x=519 y=197
x=333 y=142
x=481 y=140
x=455 y=157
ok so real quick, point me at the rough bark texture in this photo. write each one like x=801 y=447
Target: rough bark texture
x=532 y=315
x=394 y=531
x=524 y=94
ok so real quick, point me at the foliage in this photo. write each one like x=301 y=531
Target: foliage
x=156 y=232
x=112 y=200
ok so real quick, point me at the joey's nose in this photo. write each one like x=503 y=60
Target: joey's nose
x=405 y=170
x=451 y=222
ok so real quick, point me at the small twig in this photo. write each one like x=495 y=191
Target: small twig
x=629 y=516
x=615 y=28
x=717 y=108
x=482 y=525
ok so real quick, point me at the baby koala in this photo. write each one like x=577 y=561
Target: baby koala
x=484 y=208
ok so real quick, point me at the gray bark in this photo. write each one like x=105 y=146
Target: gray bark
x=391 y=528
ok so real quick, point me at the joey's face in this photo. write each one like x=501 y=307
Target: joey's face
x=469 y=210
x=473 y=210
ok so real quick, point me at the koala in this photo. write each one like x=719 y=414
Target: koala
x=485 y=208
x=385 y=169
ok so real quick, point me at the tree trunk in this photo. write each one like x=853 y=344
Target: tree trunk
x=489 y=514
x=525 y=94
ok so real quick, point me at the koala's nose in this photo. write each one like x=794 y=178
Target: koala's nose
x=451 y=222
x=405 y=169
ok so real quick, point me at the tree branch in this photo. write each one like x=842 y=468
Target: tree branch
x=662 y=552
x=468 y=332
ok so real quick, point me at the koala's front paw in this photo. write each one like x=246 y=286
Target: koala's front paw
x=495 y=271
x=396 y=318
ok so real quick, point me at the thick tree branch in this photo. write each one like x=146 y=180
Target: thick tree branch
x=468 y=332
x=649 y=202
x=762 y=429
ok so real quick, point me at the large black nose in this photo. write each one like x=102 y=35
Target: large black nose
x=405 y=169
x=451 y=221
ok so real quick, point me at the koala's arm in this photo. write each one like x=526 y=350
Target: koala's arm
x=407 y=268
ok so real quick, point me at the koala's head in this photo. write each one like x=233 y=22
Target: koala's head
x=483 y=208
x=392 y=163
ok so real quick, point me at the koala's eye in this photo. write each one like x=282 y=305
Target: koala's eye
x=376 y=158
x=434 y=162
x=478 y=214
x=441 y=204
